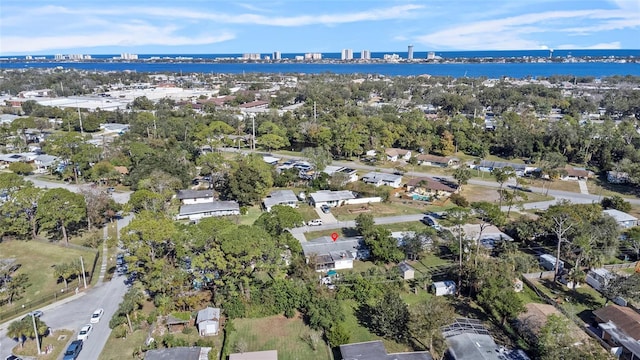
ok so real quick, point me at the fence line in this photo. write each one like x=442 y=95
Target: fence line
x=44 y=300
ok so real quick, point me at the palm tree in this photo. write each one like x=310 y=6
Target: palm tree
x=462 y=175
x=18 y=330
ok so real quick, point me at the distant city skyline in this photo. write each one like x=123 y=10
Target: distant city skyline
x=313 y=26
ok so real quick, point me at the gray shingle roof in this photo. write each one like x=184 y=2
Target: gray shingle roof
x=209 y=207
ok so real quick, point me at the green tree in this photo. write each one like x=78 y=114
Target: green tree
x=389 y=317
x=213 y=164
x=18 y=216
x=337 y=335
x=280 y=217
x=146 y=200
x=318 y=157
x=426 y=319
x=462 y=175
x=249 y=181
x=457 y=217
x=21 y=330
x=488 y=214
x=502 y=175
x=616 y=202
x=498 y=296
x=61 y=209
x=16 y=287
x=273 y=141
x=365 y=224
x=384 y=248
x=21 y=168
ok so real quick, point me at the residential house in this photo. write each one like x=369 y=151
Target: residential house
x=375 y=350
x=617 y=177
x=44 y=162
x=349 y=174
x=434 y=160
x=620 y=328
x=623 y=219
x=327 y=254
x=195 y=212
x=573 y=173
x=280 y=197
x=208 y=321
x=379 y=179
x=115 y=128
x=394 y=154
x=182 y=353
x=599 y=278
x=330 y=198
x=430 y=187
x=190 y=197
x=406 y=271
x=519 y=169
x=255 y=355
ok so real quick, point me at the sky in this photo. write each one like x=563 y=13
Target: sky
x=45 y=27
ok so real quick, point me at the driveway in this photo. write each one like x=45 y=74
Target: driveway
x=121 y=197
x=327 y=218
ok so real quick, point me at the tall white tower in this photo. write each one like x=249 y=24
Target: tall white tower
x=410 y=52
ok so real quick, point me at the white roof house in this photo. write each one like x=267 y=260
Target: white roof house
x=280 y=197
x=622 y=218
x=195 y=212
x=330 y=198
x=334 y=255
x=379 y=179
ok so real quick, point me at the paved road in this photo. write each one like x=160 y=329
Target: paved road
x=121 y=197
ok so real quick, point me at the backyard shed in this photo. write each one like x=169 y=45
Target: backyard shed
x=406 y=271
x=446 y=287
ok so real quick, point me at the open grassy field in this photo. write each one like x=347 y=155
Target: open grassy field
x=253 y=213
x=116 y=349
x=277 y=332
x=350 y=212
x=37 y=259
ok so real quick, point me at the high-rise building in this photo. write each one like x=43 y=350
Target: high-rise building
x=347 y=54
x=277 y=55
x=410 y=52
x=365 y=55
x=313 y=56
x=431 y=55
x=251 y=56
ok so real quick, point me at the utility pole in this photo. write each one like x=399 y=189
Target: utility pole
x=84 y=277
x=35 y=330
x=315 y=113
x=253 y=138
x=79 y=117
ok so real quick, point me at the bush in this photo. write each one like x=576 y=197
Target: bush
x=337 y=335
x=188 y=330
x=170 y=341
x=459 y=200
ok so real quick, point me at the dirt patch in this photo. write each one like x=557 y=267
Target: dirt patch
x=480 y=193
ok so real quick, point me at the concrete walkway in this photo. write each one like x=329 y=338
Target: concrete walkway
x=105 y=250
x=583 y=187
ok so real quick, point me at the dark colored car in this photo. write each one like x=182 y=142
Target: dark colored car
x=12 y=357
x=325 y=209
x=73 y=350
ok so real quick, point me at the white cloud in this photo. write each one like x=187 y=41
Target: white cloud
x=132 y=34
x=515 y=32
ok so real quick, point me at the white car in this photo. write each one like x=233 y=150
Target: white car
x=315 y=222
x=96 y=316
x=84 y=332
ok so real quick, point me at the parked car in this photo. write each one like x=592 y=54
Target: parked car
x=73 y=350
x=84 y=332
x=429 y=221
x=12 y=357
x=96 y=316
x=325 y=209
x=315 y=222
x=36 y=313
x=120 y=259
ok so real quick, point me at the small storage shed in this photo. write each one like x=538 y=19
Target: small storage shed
x=406 y=271
x=446 y=287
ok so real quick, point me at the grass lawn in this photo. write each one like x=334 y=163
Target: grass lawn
x=602 y=188
x=116 y=349
x=58 y=341
x=253 y=213
x=578 y=303
x=308 y=212
x=350 y=212
x=37 y=259
x=571 y=186
x=277 y=332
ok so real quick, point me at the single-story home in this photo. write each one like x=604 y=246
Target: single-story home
x=468 y=339
x=208 y=321
x=327 y=254
x=330 y=198
x=519 y=169
x=394 y=154
x=189 y=197
x=375 y=350
x=446 y=287
x=429 y=186
x=379 y=179
x=255 y=355
x=182 y=353
x=573 y=173
x=350 y=174
x=599 y=278
x=44 y=162
x=271 y=160
x=406 y=271
x=280 y=197
x=435 y=160
x=195 y=212
x=620 y=327
x=622 y=218
x=617 y=177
